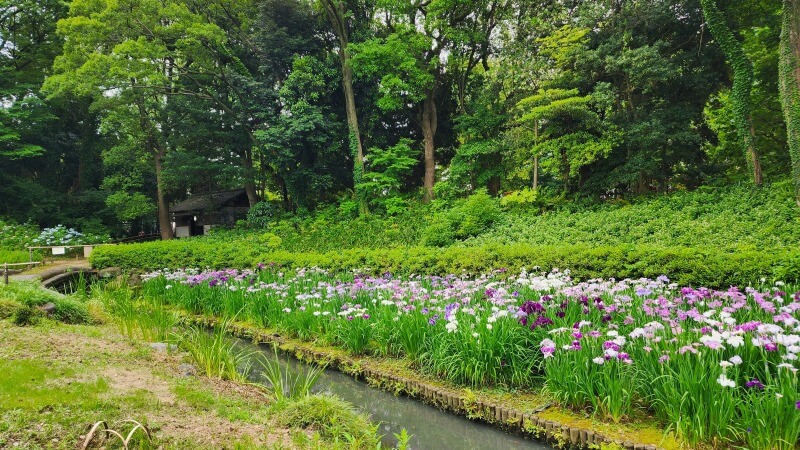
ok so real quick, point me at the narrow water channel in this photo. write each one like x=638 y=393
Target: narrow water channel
x=431 y=429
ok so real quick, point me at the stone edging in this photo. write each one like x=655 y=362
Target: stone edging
x=529 y=425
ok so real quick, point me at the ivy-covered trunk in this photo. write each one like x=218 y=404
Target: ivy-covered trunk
x=742 y=83
x=789 y=79
x=337 y=15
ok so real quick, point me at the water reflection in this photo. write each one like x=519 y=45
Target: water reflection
x=430 y=427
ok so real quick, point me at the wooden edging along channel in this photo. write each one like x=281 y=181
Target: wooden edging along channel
x=529 y=425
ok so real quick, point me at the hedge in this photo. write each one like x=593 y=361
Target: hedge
x=685 y=265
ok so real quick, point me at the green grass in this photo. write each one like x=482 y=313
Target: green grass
x=23 y=385
x=216 y=354
x=332 y=418
x=50 y=395
x=68 y=309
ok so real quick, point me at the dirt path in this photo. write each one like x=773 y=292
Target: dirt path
x=57 y=380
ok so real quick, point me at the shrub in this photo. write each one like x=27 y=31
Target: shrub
x=71 y=311
x=8 y=308
x=27 y=315
x=15 y=236
x=12 y=256
x=61 y=235
x=712 y=267
x=260 y=214
x=469 y=218
x=31 y=295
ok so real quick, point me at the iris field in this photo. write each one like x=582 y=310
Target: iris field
x=715 y=366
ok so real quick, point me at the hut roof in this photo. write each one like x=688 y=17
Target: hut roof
x=208 y=201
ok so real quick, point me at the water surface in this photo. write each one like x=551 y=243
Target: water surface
x=430 y=427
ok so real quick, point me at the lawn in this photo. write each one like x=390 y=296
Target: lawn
x=57 y=380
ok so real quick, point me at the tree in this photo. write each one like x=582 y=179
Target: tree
x=410 y=60
x=132 y=57
x=341 y=17
x=742 y=83
x=28 y=44
x=563 y=129
x=790 y=83
x=387 y=170
x=478 y=160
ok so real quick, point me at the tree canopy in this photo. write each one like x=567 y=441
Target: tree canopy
x=112 y=110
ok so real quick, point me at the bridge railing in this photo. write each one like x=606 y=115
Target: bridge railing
x=7 y=265
x=57 y=250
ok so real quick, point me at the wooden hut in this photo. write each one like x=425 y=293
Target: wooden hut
x=199 y=213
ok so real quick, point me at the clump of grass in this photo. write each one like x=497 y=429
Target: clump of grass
x=287 y=383
x=8 y=308
x=27 y=316
x=331 y=417
x=68 y=309
x=216 y=354
x=137 y=318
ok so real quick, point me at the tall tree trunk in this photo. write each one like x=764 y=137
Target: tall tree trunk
x=337 y=16
x=494 y=186
x=163 y=208
x=742 y=82
x=352 y=116
x=249 y=173
x=429 y=125
x=789 y=83
x=158 y=152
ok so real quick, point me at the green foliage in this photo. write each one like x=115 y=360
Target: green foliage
x=561 y=126
x=13 y=256
x=388 y=169
x=521 y=198
x=334 y=419
x=27 y=316
x=742 y=76
x=130 y=205
x=789 y=82
x=216 y=353
x=16 y=237
x=8 y=308
x=288 y=383
x=137 y=319
x=260 y=214
x=468 y=218
x=739 y=216
x=61 y=235
x=67 y=309
x=398 y=61
x=706 y=266
x=613 y=239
